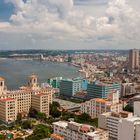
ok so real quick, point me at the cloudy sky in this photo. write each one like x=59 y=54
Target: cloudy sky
x=69 y=24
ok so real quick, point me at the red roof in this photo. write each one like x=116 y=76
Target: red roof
x=7 y=99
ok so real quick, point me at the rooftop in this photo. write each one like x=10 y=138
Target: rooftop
x=61 y=123
x=2 y=79
x=100 y=100
x=57 y=136
x=41 y=94
x=7 y=99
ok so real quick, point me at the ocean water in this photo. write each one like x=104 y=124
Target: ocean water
x=16 y=72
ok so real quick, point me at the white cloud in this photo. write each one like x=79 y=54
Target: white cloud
x=60 y=19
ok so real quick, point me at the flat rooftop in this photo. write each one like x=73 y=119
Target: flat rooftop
x=66 y=104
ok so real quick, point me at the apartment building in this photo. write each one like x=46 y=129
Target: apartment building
x=97 y=106
x=76 y=131
x=134 y=59
x=129 y=128
x=23 y=98
x=8 y=109
x=40 y=102
x=110 y=122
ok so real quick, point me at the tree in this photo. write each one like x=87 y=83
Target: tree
x=67 y=115
x=19 y=139
x=55 y=104
x=19 y=118
x=128 y=108
x=2 y=137
x=32 y=113
x=27 y=124
x=54 y=112
x=83 y=118
x=40 y=132
x=49 y=120
x=41 y=116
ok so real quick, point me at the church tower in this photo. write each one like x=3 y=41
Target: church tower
x=2 y=85
x=33 y=83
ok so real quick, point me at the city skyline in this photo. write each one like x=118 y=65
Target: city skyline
x=69 y=24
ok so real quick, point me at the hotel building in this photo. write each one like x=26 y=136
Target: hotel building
x=97 y=106
x=23 y=99
x=76 y=131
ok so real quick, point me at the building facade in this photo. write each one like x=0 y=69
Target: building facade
x=134 y=59
x=110 y=122
x=68 y=87
x=76 y=131
x=100 y=89
x=97 y=106
x=24 y=99
x=129 y=129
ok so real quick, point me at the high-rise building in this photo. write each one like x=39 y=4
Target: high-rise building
x=134 y=59
x=97 y=106
x=110 y=122
x=129 y=128
x=20 y=101
x=100 y=89
x=55 y=82
x=68 y=87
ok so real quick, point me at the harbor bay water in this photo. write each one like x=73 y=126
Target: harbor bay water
x=16 y=72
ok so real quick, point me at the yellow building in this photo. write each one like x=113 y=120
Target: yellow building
x=40 y=102
x=8 y=109
x=23 y=98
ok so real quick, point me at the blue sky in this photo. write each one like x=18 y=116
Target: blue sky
x=68 y=24
x=5 y=10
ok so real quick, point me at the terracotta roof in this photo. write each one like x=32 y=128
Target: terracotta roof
x=57 y=136
x=7 y=99
x=1 y=79
x=85 y=128
x=100 y=100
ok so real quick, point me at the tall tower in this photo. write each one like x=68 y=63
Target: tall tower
x=33 y=81
x=134 y=59
x=2 y=85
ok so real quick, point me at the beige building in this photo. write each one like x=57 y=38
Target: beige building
x=97 y=106
x=134 y=58
x=24 y=97
x=40 y=102
x=76 y=131
x=8 y=109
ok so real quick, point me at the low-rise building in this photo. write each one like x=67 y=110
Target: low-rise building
x=97 y=106
x=76 y=131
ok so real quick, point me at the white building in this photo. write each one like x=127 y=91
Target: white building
x=137 y=108
x=129 y=129
x=110 y=121
x=128 y=89
x=97 y=106
x=76 y=131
